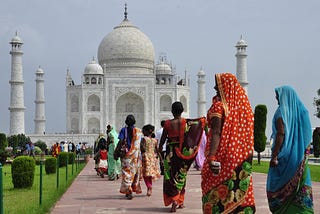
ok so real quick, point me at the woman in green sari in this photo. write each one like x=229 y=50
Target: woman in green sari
x=114 y=166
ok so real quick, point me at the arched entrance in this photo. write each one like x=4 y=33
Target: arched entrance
x=129 y=103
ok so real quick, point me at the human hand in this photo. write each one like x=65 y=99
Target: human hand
x=215 y=167
x=273 y=162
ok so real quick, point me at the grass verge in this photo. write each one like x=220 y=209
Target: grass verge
x=28 y=200
x=264 y=167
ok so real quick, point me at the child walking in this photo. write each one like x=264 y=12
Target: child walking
x=150 y=166
x=102 y=157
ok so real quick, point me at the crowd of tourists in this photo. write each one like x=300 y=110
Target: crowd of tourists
x=221 y=146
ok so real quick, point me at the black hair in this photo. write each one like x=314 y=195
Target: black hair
x=130 y=120
x=162 y=123
x=177 y=108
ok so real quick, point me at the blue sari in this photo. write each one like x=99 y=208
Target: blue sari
x=289 y=183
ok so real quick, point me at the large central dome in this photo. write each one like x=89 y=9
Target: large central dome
x=126 y=49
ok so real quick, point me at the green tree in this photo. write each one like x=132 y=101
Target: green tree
x=316 y=103
x=3 y=146
x=316 y=142
x=260 y=120
x=16 y=141
x=42 y=145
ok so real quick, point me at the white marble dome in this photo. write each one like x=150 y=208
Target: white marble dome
x=126 y=47
x=93 y=68
x=163 y=68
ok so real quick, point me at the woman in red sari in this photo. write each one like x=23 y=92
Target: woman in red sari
x=227 y=172
x=183 y=138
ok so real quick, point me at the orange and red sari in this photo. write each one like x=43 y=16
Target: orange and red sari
x=231 y=190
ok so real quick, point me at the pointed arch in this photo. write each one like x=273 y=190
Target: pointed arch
x=129 y=103
x=165 y=103
x=74 y=103
x=93 y=126
x=184 y=102
x=93 y=103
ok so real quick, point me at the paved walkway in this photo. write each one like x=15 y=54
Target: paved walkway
x=91 y=194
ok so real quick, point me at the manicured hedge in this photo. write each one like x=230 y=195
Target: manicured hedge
x=22 y=170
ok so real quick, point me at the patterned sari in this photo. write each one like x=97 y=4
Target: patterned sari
x=289 y=183
x=231 y=190
x=131 y=163
x=182 y=148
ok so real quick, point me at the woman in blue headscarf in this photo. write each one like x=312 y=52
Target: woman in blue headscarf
x=289 y=183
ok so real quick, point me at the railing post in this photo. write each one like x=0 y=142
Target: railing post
x=67 y=170
x=1 y=190
x=57 y=171
x=40 y=191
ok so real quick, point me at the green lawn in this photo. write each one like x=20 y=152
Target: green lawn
x=264 y=167
x=28 y=200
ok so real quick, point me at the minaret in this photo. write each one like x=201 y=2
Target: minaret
x=201 y=93
x=242 y=63
x=40 y=117
x=17 y=107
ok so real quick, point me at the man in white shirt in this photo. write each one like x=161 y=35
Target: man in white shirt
x=158 y=136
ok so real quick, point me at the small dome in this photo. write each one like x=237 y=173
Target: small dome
x=201 y=72
x=39 y=71
x=241 y=43
x=16 y=39
x=93 y=68
x=163 y=68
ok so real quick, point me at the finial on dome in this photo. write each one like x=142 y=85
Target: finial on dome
x=125 y=12
x=16 y=33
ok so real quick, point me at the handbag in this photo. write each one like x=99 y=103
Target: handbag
x=121 y=148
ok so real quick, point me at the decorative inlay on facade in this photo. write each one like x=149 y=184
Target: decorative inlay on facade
x=119 y=91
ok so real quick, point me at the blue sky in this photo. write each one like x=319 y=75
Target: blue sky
x=283 y=38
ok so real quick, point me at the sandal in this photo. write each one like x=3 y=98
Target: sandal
x=181 y=206
x=174 y=207
x=149 y=192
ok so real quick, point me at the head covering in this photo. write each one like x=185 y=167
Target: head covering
x=236 y=141
x=297 y=134
x=114 y=134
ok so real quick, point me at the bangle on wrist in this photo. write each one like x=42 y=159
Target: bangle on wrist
x=211 y=157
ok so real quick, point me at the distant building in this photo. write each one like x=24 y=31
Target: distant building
x=125 y=80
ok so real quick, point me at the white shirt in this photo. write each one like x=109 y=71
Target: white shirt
x=158 y=137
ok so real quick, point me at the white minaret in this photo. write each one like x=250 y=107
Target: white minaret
x=17 y=107
x=202 y=111
x=40 y=116
x=242 y=63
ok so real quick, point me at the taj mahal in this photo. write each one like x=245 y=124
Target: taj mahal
x=123 y=79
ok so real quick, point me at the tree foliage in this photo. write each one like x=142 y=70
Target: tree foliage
x=3 y=145
x=260 y=121
x=316 y=103
x=316 y=142
x=18 y=142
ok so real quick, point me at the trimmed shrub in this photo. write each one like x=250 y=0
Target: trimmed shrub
x=72 y=157
x=63 y=159
x=51 y=165
x=22 y=170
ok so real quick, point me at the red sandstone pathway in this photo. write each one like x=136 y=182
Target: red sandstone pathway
x=90 y=194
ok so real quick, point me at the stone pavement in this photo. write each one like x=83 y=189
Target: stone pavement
x=91 y=194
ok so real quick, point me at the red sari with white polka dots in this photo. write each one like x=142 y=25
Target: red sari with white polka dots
x=231 y=190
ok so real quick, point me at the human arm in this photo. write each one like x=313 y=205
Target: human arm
x=143 y=145
x=162 y=140
x=216 y=127
x=278 y=142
